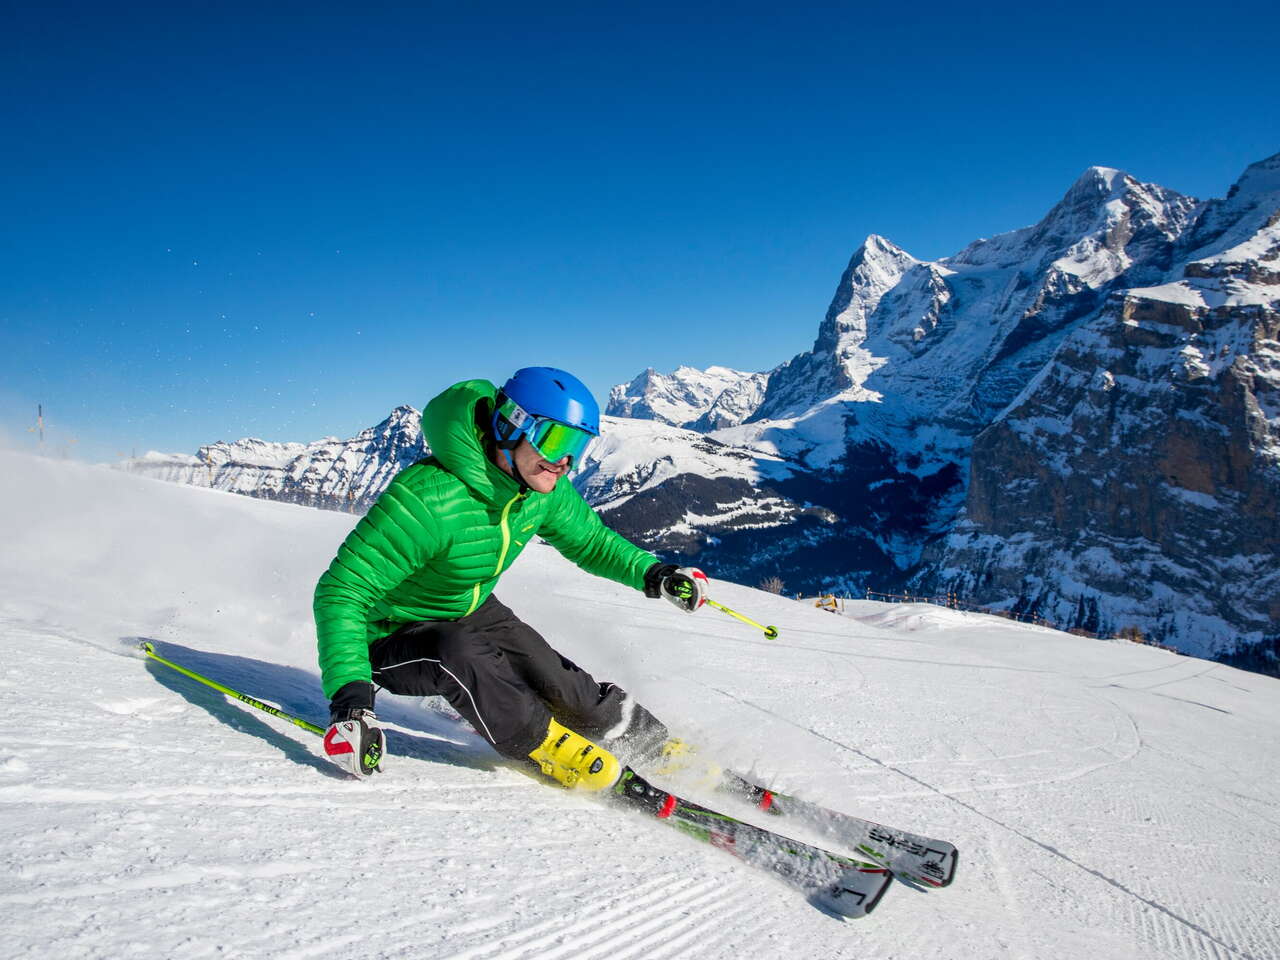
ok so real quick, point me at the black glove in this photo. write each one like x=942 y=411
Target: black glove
x=686 y=587
x=354 y=740
x=653 y=578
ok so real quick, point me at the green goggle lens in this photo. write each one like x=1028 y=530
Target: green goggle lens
x=554 y=441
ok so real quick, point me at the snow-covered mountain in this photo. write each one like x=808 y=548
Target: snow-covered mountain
x=330 y=473
x=1077 y=418
x=688 y=397
x=838 y=362
x=1108 y=799
x=1137 y=477
x=949 y=343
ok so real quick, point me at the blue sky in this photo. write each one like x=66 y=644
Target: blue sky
x=223 y=222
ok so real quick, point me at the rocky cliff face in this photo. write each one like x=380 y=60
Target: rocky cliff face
x=1076 y=419
x=1136 y=481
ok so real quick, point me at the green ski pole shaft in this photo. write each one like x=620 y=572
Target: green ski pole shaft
x=150 y=651
x=770 y=632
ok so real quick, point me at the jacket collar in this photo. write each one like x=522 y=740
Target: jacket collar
x=455 y=425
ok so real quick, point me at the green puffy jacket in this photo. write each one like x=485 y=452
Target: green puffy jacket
x=433 y=545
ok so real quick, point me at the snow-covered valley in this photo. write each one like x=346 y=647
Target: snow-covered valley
x=1108 y=799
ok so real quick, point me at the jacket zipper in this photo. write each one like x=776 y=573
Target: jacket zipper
x=502 y=556
x=506 y=533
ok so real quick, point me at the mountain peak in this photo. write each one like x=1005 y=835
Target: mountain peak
x=1258 y=180
x=1251 y=206
x=1100 y=177
x=880 y=244
x=880 y=251
x=687 y=395
x=1093 y=188
x=402 y=418
x=875 y=267
x=1105 y=209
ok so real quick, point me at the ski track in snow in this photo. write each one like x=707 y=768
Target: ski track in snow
x=1164 y=918
x=1108 y=800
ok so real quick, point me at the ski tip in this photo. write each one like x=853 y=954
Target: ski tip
x=942 y=873
x=928 y=876
x=952 y=862
x=855 y=894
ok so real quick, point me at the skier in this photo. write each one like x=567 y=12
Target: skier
x=407 y=603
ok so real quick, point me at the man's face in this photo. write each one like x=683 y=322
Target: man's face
x=541 y=475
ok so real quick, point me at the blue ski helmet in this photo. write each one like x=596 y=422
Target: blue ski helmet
x=551 y=409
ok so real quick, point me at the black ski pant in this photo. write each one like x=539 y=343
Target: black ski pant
x=507 y=681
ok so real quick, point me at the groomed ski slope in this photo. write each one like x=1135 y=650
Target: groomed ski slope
x=1109 y=800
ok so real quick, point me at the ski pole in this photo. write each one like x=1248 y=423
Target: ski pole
x=769 y=632
x=150 y=651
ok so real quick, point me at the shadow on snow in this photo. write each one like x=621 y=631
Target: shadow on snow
x=424 y=734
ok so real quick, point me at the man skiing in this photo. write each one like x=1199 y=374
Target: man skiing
x=407 y=603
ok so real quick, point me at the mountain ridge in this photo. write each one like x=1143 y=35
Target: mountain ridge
x=1060 y=419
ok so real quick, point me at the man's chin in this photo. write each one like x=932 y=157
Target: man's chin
x=545 y=482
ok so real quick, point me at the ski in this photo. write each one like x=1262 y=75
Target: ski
x=844 y=886
x=922 y=859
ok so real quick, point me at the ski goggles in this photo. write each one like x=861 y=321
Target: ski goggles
x=555 y=440
x=551 y=439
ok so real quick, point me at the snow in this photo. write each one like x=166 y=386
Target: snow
x=1108 y=799
x=1247 y=210
x=818 y=439
x=1186 y=294
x=1199 y=293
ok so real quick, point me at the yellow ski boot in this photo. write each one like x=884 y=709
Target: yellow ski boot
x=576 y=762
